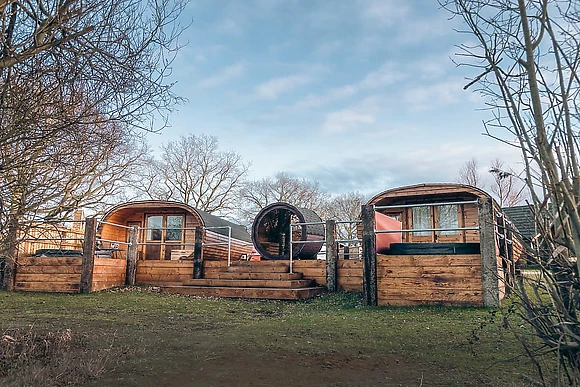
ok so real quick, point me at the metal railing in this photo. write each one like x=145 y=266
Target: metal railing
x=425 y=205
x=228 y=243
x=291 y=242
x=434 y=229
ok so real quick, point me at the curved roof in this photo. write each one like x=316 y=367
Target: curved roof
x=204 y=218
x=428 y=189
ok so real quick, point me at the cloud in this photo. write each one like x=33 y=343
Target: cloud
x=277 y=86
x=225 y=75
x=373 y=173
x=341 y=121
x=430 y=96
x=385 y=75
x=384 y=12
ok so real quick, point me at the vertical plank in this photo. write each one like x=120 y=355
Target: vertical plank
x=488 y=259
x=132 y=252
x=369 y=250
x=88 y=255
x=331 y=255
x=197 y=255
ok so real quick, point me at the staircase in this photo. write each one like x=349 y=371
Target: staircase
x=257 y=280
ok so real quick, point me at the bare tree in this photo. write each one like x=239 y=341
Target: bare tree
x=283 y=187
x=526 y=56
x=469 y=174
x=62 y=179
x=76 y=80
x=193 y=170
x=507 y=186
x=345 y=207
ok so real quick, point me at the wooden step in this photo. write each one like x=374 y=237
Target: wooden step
x=250 y=283
x=250 y=293
x=259 y=268
x=259 y=263
x=249 y=276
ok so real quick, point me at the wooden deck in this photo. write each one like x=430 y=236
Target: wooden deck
x=251 y=280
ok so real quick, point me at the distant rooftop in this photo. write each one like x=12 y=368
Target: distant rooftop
x=523 y=219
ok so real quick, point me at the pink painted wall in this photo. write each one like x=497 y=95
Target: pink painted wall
x=384 y=222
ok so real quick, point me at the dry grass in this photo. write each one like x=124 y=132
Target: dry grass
x=29 y=357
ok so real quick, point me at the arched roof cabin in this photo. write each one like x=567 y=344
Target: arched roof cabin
x=167 y=231
x=456 y=246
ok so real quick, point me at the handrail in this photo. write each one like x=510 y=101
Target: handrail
x=427 y=230
x=291 y=253
x=115 y=224
x=424 y=205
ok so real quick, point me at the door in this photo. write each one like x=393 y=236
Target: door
x=164 y=234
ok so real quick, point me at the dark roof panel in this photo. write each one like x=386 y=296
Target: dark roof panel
x=523 y=218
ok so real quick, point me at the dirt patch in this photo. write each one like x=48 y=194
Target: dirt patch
x=279 y=368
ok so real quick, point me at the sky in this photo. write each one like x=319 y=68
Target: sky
x=359 y=95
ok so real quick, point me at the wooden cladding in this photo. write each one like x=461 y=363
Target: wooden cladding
x=108 y=273
x=55 y=274
x=220 y=252
x=163 y=272
x=429 y=279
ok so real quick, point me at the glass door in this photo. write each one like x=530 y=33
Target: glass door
x=164 y=234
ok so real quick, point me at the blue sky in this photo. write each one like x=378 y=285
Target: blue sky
x=360 y=95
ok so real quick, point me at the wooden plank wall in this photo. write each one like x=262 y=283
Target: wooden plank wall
x=220 y=252
x=349 y=272
x=54 y=274
x=350 y=275
x=429 y=279
x=311 y=269
x=163 y=272
x=108 y=273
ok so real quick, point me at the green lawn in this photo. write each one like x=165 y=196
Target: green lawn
x=139 y=338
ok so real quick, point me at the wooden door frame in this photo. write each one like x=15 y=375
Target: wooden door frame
x=163 y=241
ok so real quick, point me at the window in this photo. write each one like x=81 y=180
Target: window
x=154 y=228
x=421 y=220
x=447 y=218
x=174 y=227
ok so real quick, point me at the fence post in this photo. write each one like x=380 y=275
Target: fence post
x=88 y=255
x=197 y=253
x=489 y=272
x=369 y=251
x=132 y=252
x=331 y=255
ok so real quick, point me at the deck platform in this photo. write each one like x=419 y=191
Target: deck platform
x=252 y=280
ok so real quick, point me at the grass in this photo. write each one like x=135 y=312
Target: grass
x=139 y=337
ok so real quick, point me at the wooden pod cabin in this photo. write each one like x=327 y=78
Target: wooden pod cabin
x=167 y=231
x=271 y=232
x=463 y=252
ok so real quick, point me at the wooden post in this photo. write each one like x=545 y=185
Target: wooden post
x=331 y=255
x=9 y=276
x=369 y=251
x=88 y=255
x=487 y=248
x=197 y=253
x=132 y=252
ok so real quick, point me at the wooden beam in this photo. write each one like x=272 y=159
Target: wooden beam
x=88 y=263
x=331 y=255
x=489 y=272
x=369 y=251
x=132 y=253
x=197 y=254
